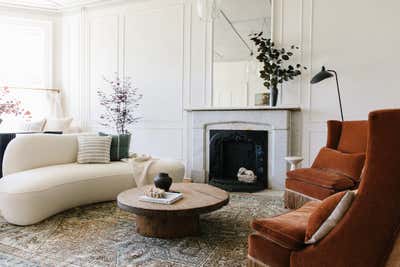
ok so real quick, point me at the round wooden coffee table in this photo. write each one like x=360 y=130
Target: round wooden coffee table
x=176 y=220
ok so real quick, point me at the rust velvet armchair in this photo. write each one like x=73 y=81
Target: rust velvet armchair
x=337 y=166
x=365 y=235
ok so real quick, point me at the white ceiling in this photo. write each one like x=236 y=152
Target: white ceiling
x=50 y=5
x=247 y=16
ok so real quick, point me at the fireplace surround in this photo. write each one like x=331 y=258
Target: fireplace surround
x=281 y=123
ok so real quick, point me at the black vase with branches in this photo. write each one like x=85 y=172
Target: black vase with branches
x=276 y=68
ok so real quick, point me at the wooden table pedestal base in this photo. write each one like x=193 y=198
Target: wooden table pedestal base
x=168 y=226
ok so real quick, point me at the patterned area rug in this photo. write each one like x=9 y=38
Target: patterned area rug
x=104 y=235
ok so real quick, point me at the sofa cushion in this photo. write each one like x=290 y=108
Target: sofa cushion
x=288 y=230
x=353 y=137
x=47 y=177
x=49 y=149
x=327 y=216
x=57 y=124
x=350 y=165
x=322 y=177
x=30 y=196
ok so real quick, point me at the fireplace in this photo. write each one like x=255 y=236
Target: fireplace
x=231 y=150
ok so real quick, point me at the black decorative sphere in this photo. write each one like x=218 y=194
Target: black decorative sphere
x=163 y=181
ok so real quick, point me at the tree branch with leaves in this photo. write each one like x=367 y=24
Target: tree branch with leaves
x=276 y=68
x=120 y=104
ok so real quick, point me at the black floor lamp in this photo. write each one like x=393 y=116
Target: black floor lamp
x=325 y=74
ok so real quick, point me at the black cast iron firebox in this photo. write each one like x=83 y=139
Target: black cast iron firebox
x=233 y=149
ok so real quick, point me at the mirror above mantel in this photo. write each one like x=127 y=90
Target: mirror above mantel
x=235 y=75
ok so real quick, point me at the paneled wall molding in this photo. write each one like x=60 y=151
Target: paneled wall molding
x=84 y=66
x=187 y=81
x=108 y=44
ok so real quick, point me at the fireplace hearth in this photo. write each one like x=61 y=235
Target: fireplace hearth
x=231 y=150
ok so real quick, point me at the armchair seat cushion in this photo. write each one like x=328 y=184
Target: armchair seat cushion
x=326 y=178
x=287 y=230
x=309 y=190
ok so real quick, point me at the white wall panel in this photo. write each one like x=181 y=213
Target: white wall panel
x=165 y=143
x=361 y=47
x=154 y=58
x=147 y=41
x=358 y=42
x=165 y=47
x=103 y=53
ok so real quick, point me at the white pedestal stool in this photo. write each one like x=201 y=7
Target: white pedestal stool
x=293 y=161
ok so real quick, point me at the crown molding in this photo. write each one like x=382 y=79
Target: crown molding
x=55 y=6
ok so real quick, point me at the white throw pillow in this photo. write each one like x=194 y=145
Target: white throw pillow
x=17 y=125
x=10 y=125
x=94 y=149
x=334 y=218
x=32 y=126
x=57 y=125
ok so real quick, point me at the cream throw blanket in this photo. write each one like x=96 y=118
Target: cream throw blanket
x=141 y=165
x=145 y=168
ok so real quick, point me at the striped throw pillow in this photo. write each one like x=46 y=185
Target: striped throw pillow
x=94 y=149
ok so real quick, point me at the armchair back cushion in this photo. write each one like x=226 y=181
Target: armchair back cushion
x=353 y=137
x=350 y=165
x=33 y=151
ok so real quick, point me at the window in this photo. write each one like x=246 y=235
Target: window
x=26 y=60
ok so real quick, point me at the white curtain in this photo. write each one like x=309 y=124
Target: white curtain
x=54 y=105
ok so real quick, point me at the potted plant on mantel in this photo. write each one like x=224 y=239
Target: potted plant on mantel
x=120 y=105
x=276 y=69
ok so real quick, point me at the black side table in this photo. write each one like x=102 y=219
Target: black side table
x=5 y=138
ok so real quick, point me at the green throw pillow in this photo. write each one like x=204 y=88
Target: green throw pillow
x=119 y=146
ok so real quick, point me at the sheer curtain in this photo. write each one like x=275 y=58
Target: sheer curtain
x=54 y=105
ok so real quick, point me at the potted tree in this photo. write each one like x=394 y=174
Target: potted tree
x=119 y=106
x=275 y=69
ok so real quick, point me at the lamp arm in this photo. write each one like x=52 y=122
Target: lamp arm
x=338 y=91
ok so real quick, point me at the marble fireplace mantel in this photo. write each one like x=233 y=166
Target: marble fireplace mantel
x=276 y=120
x=289 y=108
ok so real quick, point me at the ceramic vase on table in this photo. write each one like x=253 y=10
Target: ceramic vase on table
x=163 y=181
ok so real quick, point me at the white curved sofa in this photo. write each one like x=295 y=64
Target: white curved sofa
x=42 y=178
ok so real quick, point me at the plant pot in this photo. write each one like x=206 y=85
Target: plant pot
x=163 y=181
x=119 y=146
x=274 y=96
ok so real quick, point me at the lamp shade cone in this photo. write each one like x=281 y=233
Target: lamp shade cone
x=322 y=75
